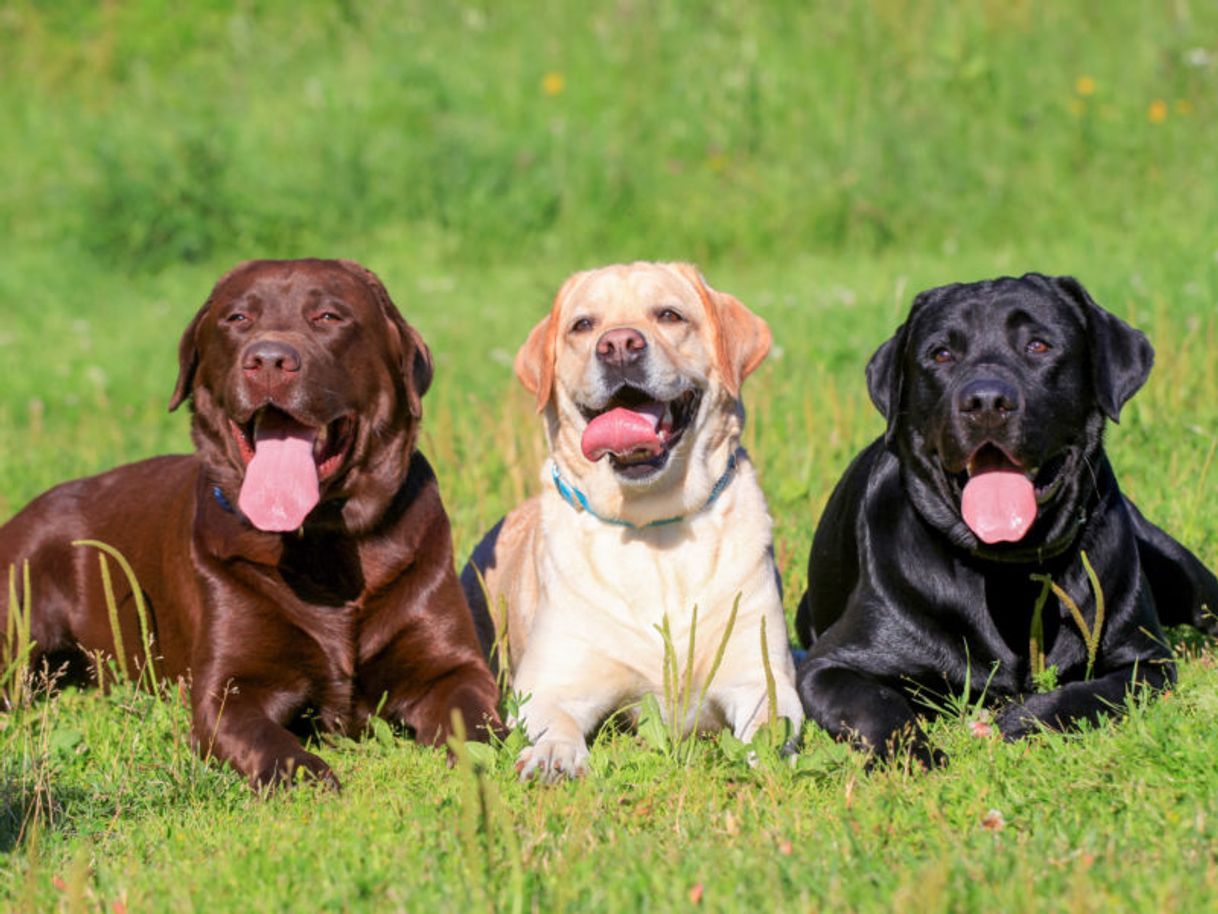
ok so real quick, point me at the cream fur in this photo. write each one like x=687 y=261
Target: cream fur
x=583 y=596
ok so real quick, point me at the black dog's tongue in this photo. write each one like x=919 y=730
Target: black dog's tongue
x=999 y=503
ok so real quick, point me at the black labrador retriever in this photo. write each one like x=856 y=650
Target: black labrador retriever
x=962 y=552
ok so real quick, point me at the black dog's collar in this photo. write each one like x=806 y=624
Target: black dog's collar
x=1037 y=555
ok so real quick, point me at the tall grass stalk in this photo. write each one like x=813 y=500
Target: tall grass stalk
x=17 y=641
x=141 y=610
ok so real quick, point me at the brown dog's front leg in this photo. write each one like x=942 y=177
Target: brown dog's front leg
x=231 y=724
x=469 y=693
x=427 y=707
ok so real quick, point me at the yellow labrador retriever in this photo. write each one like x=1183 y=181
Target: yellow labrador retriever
x=649 y=508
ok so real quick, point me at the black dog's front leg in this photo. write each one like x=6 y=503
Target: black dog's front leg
x=1075 y=702
x=868 y=714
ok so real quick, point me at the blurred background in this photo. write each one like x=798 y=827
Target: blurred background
x=823 y=161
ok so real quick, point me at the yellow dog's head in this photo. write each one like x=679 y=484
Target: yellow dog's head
x=638 y=370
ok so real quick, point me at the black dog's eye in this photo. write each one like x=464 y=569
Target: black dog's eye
x=942 y=356
x=582 y=325
x=1037 y=347
x=670 y=316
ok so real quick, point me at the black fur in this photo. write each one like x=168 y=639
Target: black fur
x=904 y=598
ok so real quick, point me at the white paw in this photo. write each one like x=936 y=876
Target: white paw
x=551 y=760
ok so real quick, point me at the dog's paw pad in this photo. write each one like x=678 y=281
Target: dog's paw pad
x=552 y=760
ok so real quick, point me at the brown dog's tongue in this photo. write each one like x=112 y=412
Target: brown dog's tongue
x=624 y=431
x=999 y=505
x=280 y=486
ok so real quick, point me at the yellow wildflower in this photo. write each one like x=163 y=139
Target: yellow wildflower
x=1157 y=112
x=553 y=83
x=1084 y=85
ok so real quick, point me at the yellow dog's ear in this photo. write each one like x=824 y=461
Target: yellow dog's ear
x=535 y=361
x=741 y=338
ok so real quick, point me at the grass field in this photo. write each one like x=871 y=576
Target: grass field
x=823 y=163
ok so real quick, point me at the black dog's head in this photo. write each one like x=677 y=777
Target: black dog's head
x=996 y=394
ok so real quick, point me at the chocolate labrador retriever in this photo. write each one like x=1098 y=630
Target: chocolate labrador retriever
x=934 y=566
x=300 y=561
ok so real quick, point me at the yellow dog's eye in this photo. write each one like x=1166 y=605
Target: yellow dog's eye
x=582 y=325
x=669 y=316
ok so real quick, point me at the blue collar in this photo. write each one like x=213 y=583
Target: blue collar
x=578 y=500
x=221 y=500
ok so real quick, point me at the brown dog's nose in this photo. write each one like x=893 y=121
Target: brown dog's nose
x=620 y=347
x=264 y=354
x=987 y=401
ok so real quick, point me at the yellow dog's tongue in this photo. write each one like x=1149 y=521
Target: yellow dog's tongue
x=280 y=487
x=624 y=431
x=999 y=506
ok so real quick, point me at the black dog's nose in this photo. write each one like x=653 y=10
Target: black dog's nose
x=270 y=354
x=620 y=347
x=987 y=401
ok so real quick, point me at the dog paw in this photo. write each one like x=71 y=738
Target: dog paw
x=551 y=760
x=303 y=768
x=1017 y=721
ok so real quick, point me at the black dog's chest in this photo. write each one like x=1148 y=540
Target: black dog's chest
x=1010 y=600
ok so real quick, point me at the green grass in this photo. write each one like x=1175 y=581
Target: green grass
x=823 y=163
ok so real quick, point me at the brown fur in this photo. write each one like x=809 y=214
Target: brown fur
x=358 y=610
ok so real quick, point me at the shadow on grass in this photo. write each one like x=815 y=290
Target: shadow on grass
x=22 y=804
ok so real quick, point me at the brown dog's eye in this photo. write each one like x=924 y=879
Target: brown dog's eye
x=328 y=317
x=670 y=316
x=1038 y=347
x=237 y=317
x=583 y=325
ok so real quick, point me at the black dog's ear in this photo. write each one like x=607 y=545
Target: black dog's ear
x=886 y=370
x=884 y=375
x=1121 y=357
x=188 y=359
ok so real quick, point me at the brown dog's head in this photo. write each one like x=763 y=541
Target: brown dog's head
x=305 y=385
x=638 y=369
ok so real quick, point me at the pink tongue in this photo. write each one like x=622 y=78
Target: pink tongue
x=999 y=506
x=280 y=487
x=623 y=431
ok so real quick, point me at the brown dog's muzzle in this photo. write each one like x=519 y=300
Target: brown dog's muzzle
x=270 y=366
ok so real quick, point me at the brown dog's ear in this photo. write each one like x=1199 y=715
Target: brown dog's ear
x=413 y=357
x=417 y=359
x=188 y=358
x=1121 y=357
x=188 y=347
x=742 y=339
